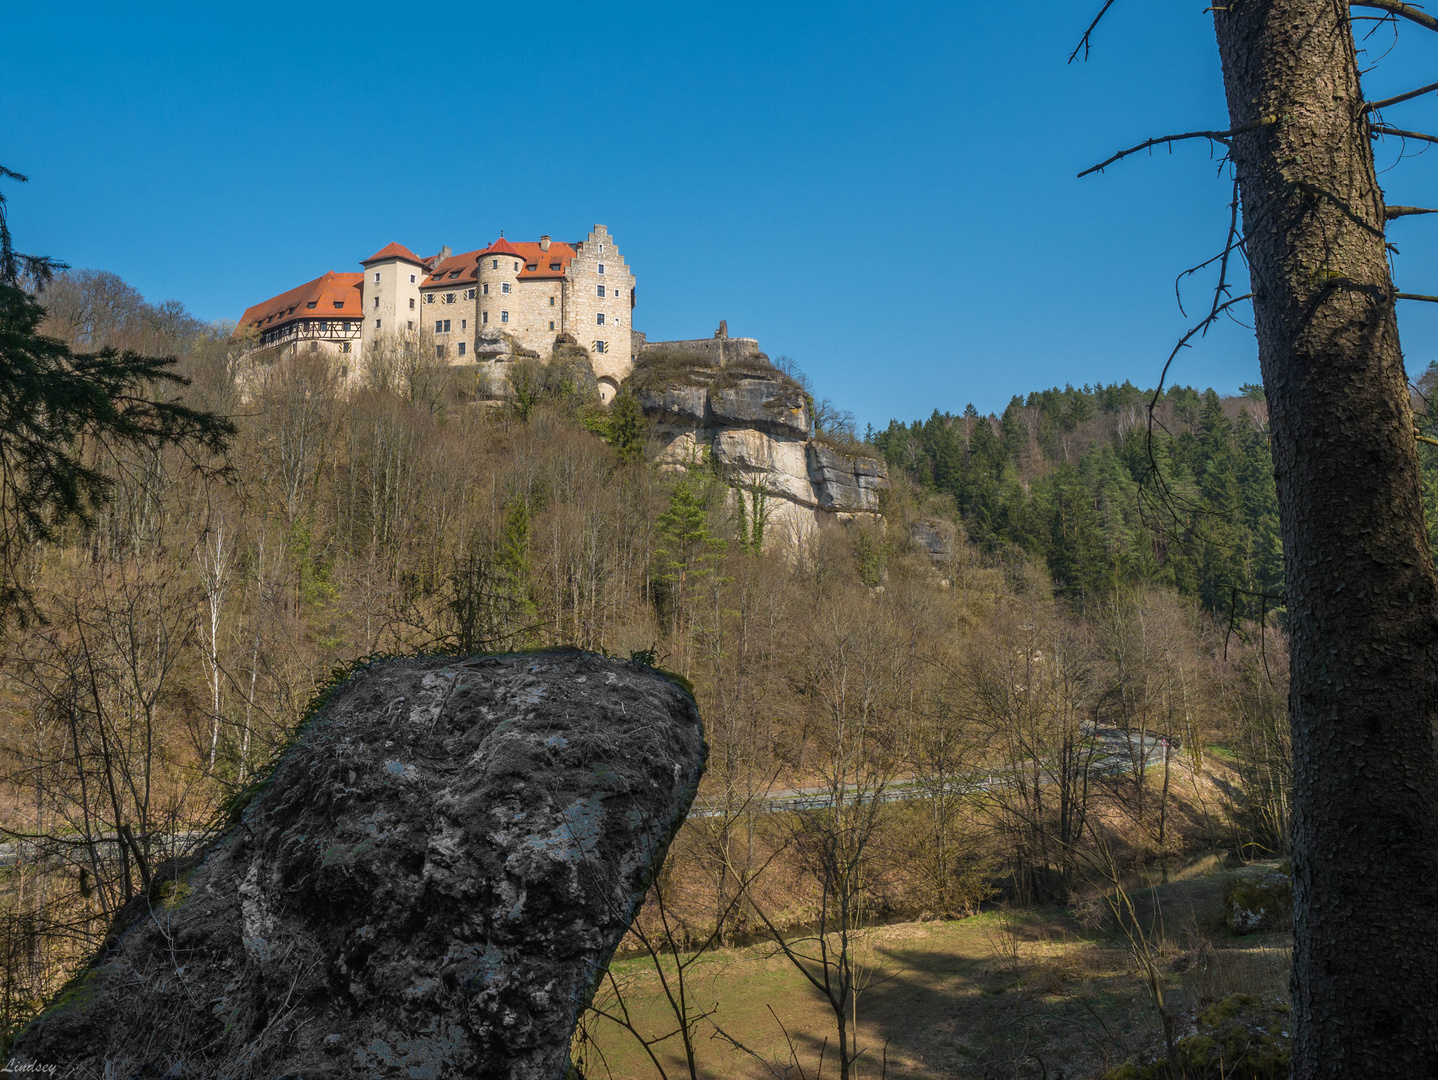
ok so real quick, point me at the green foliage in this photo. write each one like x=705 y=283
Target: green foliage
x=688 y=551
x=61 y=412
x=751 y=516
x=1071 y=476
x=622 y=426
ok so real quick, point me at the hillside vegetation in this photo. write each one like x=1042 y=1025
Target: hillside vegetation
x=1085 y=679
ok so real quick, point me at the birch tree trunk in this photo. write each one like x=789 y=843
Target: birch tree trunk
x=1360 y=590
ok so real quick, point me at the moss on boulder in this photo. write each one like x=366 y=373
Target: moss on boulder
x=1238 y=1038
x=1252 y=904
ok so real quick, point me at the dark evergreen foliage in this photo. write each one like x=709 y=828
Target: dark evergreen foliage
x=1072 y=477
x=61 y=412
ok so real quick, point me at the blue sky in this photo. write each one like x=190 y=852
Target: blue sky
x=884 y=192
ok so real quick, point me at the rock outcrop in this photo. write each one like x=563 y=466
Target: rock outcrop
x=722 y=398
x=1259 y=901
x=428 y=886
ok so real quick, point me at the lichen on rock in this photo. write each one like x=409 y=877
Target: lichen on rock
x=429 y=885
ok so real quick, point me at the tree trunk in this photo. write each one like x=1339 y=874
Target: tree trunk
x=1361 y=596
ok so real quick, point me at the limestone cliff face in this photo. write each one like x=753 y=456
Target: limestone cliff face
x=754 y=422
x=428 y=885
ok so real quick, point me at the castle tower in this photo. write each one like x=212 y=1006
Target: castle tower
x=391 y=293
x=601 y=297
x=499 y=268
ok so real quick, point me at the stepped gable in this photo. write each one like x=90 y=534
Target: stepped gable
x=429 y=885
x=332 y=295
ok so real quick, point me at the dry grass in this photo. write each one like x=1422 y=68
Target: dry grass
x=1004 y=993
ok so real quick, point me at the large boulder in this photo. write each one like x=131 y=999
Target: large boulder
x=766 y=403
x=847 y=482
x=429 y=885
x=1260 y=900
x=777 y=464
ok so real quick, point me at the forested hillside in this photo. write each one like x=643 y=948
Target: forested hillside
x=1057 y=648
x=1082 y=480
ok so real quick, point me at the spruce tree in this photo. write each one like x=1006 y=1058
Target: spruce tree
x=62 y=413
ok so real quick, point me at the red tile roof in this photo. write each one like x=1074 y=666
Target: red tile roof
x=534 y=256
x=500 y=247
x=528 y=251
x=334 y=296
x=394 y=251
x=467 y=266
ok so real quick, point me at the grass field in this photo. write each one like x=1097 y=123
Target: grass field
x=1007 y=994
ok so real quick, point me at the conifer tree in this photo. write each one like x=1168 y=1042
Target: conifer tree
x=688 y=550
x=62 y=413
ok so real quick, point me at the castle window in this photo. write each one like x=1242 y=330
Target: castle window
x=345 y=347
x=554 y=266
x=494 y=264
x=486 y=289
x=600 y=319
x=531 y=266
x=376 y=277
x=484 y=318
x=504 y=316
x=376 y=324
x=411 y=303
x=311 y=305
x=439 y=352
x=601 y=249
x=324 y=325
x=339 y=303
x=551 y=324
x=469 y=295
x=601 y=346
x=411 y=279
x=516 y=268
x=453 y=274
x=376 y=301
x=439 y=326
x=449 y=298
x=601 y=268
x=410 y=324
x=464 y=324
x=446 y=326
x=601 y=290
x=461 y=348
x=551 y=301
x=504 y=287
x=429 y=298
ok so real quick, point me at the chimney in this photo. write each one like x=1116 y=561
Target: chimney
x=544 y=243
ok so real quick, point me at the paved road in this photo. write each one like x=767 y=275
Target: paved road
x=1112 y=757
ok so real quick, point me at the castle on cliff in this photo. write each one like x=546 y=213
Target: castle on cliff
x=468 y=308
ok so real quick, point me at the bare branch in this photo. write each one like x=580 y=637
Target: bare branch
x=1213 y=136
x=1372 y=106
x=1416 y=296
x=1085 y=42
x=1407 y=211
x=1405 y=11
x=1425 y=439
x=1384 y=129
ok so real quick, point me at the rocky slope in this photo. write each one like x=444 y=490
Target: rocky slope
x=428 y=885
x=729 y=403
